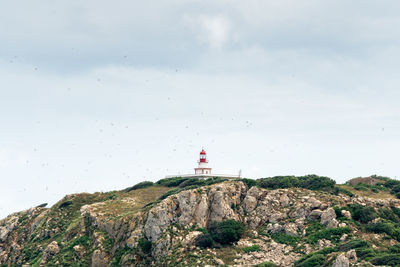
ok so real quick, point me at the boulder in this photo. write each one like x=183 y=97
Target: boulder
x=51 y=250
x=290 y=229
x=99 y=258
x=315 y=214
x=351 y=255
x=328 y=218
x=324 y=243
x=346 y=214
x=314 y=203
x=341 y=261
x=284 y=200
x=249 y=203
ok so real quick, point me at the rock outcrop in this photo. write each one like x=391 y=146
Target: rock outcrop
x=104 y=229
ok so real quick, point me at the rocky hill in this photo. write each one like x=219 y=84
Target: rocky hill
x=279 y=221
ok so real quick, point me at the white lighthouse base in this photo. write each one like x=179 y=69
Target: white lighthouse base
x=228 y=176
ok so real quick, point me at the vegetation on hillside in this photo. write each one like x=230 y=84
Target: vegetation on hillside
x=63 y=224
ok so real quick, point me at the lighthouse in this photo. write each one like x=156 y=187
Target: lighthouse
x=203 y=164
x=203 y=171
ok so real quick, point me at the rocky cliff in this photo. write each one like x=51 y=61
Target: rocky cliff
x=145 y=226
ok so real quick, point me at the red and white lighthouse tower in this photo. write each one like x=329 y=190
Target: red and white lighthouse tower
x=203 y=164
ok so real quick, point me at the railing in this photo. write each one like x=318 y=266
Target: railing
x=210 y=175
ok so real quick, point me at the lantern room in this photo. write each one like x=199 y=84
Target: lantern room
x=203 y=156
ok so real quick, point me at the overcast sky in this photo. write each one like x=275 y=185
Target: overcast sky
x=100 y=95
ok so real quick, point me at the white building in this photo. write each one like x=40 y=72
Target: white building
x=204 y=171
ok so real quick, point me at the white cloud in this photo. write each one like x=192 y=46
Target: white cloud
x=215 y=31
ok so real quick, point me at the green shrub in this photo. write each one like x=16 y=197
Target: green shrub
x=145 y=245
x=361 y=187
x=30 y=253
x=118 y=255
x=171 y=182
x=283 y=238
x=391 y=260
x=252 y=248
x=396 y=233
x=395 y=249
x=227 y=232
x=65 y=204
x=111 y=196
x=266 y=264
x=363 y=214
x=41 y=205
x=170 y=193
x=314 y=227
x=338 y=212
x=82 y=241
x=396 y=211
x=279 y=182
x=391 y=183
x=312 y=182
x=332 y=234
x=249 y=182
x=193 y=181
x=204 y=241
x=312 y=261
x=396 y=189
x=353 y=244
x=380 y=227
x=388 y=214
x=215 y=180
x=391 y=229
x=107 y=243
x=139 y=185
x=203 y=230
x=176 y=191
x=339 y=190
x=363 y=253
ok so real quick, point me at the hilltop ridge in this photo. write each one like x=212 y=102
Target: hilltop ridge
x=277 y=221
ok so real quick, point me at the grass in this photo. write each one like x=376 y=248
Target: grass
x=368 y=193
x=129 y=203
x=252 y=248
x=228 y=254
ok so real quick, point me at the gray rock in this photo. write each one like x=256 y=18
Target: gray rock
x=341 y=261
x=324 y=243
x=99 y=258
x=332 y=224
x=290 y=229
x=328 y=218
x=51 y=250
x=10 y=223
x=284 y=200
x=277 y=216
x=346 y=214
x=299 y=212
x=344 y=237
x=314 y=203
x=275 y=228
x=351 y=255
x=249 y=203
x=191 y=207
x=315 y=214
